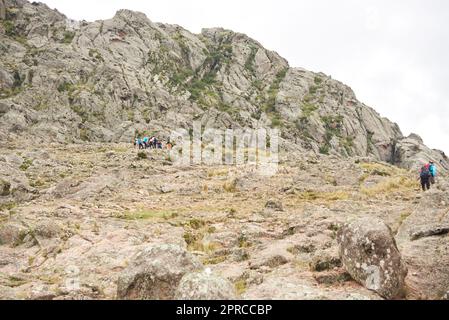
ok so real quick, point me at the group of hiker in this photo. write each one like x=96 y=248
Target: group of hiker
x=150 y=143
x=428 y=174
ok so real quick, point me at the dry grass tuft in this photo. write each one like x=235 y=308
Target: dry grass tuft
x=326 y=196
x=390 y=185
x=148 y=215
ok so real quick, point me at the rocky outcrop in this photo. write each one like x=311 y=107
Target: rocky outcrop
x=369 y=253
x=12 y=234
x=107 y=80
x=5 y=187
x=422 y=239
x=155 y=273
x=411 y=153
x=2 y=10
x=205 y=286
x=274 y=205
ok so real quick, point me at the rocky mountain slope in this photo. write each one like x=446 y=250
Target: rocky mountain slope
x=73 y=218
x=68 y=81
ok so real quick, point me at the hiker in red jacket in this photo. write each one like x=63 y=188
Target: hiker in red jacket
x=425 y=175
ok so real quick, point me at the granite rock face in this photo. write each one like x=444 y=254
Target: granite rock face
x=105 y=81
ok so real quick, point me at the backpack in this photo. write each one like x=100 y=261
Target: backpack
x=425 y=172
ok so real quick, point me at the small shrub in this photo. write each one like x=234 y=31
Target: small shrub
x=196 y=224
x=249 y=64
x=390 y=185
x=148 y=215
x=240 y=287
x=17 y=80
x=325 y=149
x=378 y=169
x=329 y=196
x=7 y=206
x=313 y=90
x=243 y=242
x=230 y=186
x=84 y=135
x=142 y=155
x=214 y=260
x=27 y=163
x=308 y=109
x=68 y=37
x=276 y=122
x=318 y=80
x=65 y=87
x=10 y=29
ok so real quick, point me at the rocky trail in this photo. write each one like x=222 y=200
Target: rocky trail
x=78 y=214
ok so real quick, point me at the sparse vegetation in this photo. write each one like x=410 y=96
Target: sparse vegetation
x=249 y=64
x=27 y=163
x=333 y=125
x=80 y=112
x=327 y=196
x=240 y=287
x=68 y=37
x=276 y=121
x=307 y=110
x=214 y=260
x=347 y=144
x=7 y=206
x=217 y=173
x=318 y=80
x=379 y=169
x=66 y=87
x=243 y=242
x=148 y=215
x=142 y=155
x=94 y=53
x=390 y=185
x=230 y=186
x=196 y=224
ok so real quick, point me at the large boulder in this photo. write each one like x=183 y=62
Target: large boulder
x=205 y=286
x=47 y=229
x=5 y=188
x=2 y=10
x=369 y=253
x=12 y=234
x=155 y=273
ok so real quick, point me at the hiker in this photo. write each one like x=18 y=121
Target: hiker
x=433 y=172
x=151 y=143
x=168 y=145
x=139 y=143
x=154 y=143
x=145 y=142
x=424 y=175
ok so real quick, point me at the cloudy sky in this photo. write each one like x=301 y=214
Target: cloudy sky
x=393 y=53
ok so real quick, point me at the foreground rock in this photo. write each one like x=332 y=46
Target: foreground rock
x=155 y=273
x=205 y=286
x=369 y=253
x=12 y=234
x=423 y=241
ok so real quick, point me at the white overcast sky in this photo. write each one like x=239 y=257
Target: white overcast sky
x=393 y=53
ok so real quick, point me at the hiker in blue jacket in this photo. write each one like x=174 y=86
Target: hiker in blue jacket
x=146 y=141
x=433 y=172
